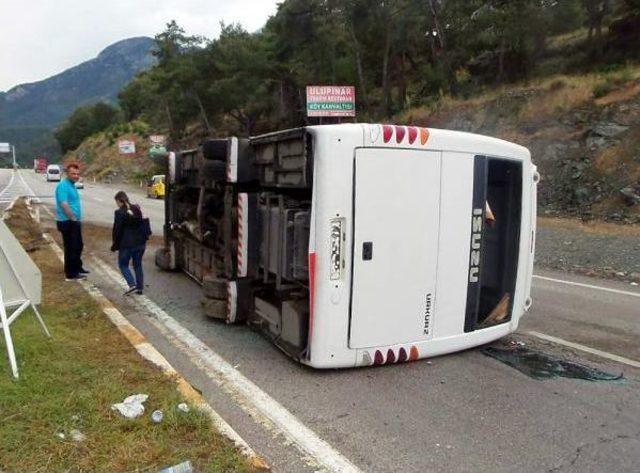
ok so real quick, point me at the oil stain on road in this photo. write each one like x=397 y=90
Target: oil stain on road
x=539 y=365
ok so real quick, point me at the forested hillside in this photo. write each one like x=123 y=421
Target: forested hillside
x=561 y=77
x=398 y=53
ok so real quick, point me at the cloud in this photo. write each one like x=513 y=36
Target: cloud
x=40 y=38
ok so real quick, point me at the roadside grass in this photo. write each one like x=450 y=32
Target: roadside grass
x=562 y=93
x=70 y=381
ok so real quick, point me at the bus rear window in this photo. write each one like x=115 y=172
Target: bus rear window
x=494 y=243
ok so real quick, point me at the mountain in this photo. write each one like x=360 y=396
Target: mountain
x=32 y=111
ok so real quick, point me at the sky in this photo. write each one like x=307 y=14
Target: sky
x=40 y=38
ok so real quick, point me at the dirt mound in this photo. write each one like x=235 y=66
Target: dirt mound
x=24 y=226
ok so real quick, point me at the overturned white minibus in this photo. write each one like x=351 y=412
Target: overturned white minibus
x=358 y=244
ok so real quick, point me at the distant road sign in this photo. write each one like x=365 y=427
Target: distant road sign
x=157 y=139
x=5 y=148
x=331 y=101
x=126 y=147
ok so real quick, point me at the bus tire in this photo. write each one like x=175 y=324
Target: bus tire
x=214 y=308
x=163 y=259
x=214 y=288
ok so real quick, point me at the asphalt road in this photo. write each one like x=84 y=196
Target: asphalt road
x=462 y=412
x=97 y=199
x=5 y=176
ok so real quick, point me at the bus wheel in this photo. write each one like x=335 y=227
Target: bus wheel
x=163 y=259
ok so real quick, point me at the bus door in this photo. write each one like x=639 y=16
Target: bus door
x=396 y=223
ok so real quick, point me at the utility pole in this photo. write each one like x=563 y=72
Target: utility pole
x=13 y=151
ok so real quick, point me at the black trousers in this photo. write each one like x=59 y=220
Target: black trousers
x=73 y=245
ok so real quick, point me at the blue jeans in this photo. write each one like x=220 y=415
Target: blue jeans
x=125 y=255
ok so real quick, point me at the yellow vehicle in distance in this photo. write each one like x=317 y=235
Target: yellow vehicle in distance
x=155 y=187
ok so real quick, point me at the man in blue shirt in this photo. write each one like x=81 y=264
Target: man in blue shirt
x=68 y=218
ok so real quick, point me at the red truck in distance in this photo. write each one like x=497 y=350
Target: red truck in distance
x=40 y=165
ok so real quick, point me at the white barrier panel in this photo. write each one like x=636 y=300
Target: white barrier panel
x=20 y=288
x=15 y=267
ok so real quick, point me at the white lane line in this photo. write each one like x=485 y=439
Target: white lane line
x=13 y=175
x=251 y=398
x=589 y=286
x=16 y=189
x=25 y=183
x=593 y=351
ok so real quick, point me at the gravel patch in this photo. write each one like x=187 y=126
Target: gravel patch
x=603 y=254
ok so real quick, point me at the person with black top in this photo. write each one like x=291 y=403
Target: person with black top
x=130 y=236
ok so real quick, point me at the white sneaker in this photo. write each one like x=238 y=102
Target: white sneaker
x=77 y=278
x=129 y=291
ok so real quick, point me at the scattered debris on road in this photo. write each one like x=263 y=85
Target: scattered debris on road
x=184 y=467
x=132 y=406
x=157 y=416
x=77 y=436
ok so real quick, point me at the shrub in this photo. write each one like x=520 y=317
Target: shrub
x=603 y=88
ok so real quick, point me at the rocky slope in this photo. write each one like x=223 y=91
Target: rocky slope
x=583 y=133
x=100 y=157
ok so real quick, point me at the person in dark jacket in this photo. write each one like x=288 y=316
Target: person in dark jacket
x=129 y=240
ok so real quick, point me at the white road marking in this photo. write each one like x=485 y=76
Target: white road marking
x=251 y=398
x=593 y=351
x=25 y=183
x=15 y=188
x=589 y=286
x=13 y=175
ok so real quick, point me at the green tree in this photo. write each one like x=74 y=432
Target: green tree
x=84 y=122
x=242 y=82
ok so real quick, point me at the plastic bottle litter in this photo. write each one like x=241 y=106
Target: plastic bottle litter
x=132 y=406
x=157 y=416
x=77 y=436
x=183 y=407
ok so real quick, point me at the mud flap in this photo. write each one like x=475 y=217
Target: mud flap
x=214 y=308
x=214 y=288
x=239 y=300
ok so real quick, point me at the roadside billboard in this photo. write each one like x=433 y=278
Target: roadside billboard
x=331 y=101
x=5 y=148
x=126 y=147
